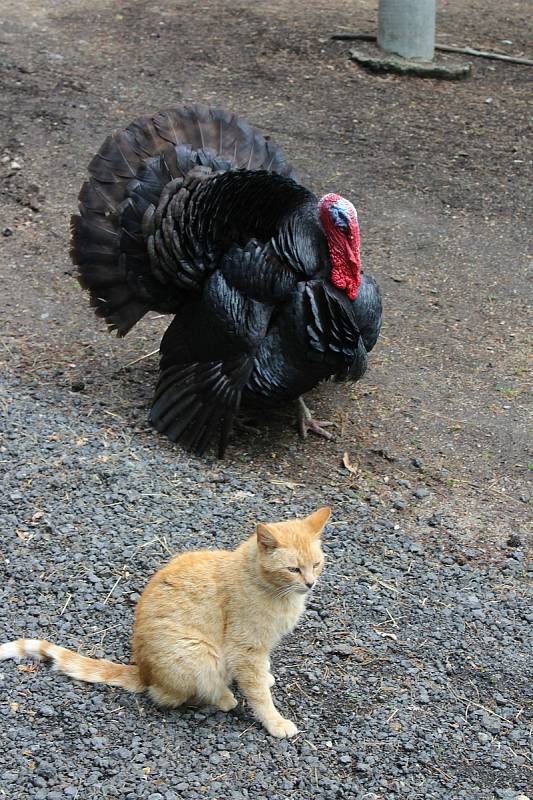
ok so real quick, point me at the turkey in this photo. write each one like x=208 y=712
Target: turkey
x=193 y=213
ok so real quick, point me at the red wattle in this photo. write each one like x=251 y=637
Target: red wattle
x=344 y=250
x=343 y=278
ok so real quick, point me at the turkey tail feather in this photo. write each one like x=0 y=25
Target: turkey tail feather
x=107 y=240
x=75 y=666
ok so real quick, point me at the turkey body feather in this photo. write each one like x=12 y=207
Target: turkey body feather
x=194 y=213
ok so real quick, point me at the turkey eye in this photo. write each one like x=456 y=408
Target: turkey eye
x=293 y=569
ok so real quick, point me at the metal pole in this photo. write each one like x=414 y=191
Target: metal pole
x=407 y=28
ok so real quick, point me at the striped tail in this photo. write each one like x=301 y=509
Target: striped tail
x=75 y=666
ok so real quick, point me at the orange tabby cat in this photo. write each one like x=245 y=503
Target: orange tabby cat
x=209 y=618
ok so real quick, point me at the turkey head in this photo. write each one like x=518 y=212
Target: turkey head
x=341 y=226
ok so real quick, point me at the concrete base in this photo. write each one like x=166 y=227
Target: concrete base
x=442 y=67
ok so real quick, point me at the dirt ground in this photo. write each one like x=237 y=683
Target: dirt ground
x=439 y=172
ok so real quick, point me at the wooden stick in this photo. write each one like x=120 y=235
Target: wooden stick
x=447 y=48
x=469 y=51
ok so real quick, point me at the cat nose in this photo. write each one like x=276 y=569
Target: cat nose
x=310 y=585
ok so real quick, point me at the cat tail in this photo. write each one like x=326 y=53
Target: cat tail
x=75 y=666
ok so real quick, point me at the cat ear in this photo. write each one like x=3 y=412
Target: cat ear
x=318 y=520
x=265 y=538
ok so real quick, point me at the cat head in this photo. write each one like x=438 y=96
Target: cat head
x=290 y=553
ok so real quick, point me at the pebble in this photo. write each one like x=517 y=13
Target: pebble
x=421 y=492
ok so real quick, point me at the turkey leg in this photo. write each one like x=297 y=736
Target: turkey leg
x=306 y=422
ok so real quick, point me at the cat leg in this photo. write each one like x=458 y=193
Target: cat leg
x=167 y=699
x=253 y=679
x=211 y=690
x=211 y=684
x=224 y=701
x=188 y=669
x=270 y=678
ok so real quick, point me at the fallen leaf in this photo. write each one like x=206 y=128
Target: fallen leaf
x=14 y=707
x=349 y=466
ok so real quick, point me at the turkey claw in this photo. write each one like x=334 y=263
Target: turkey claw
x=316 y=426
x=245 y=425
x=306 y=423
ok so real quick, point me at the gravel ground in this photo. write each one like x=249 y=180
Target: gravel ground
x=411 y=675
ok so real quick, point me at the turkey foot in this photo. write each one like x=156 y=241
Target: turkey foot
x=245 y=424
x=306 y=422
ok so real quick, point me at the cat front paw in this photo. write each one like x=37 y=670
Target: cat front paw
x=226 y=702
x=281 y=728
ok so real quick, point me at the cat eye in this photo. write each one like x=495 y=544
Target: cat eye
x=316 y=565
x=293 y=569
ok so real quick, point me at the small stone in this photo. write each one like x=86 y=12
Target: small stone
x=514 y=540
x=416 y=463
x=45 y=769
x=341 y=649
x=473 y=601
x=491 y=723
x=46 y=710
x=77 y=386
x=7 y=232
x=483 y=738
x=421 y=493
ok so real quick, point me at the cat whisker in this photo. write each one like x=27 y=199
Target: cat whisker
x=285 y=590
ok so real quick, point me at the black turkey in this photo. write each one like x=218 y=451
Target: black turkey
x=193 y=213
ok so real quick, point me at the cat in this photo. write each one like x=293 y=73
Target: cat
x=209 y=618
